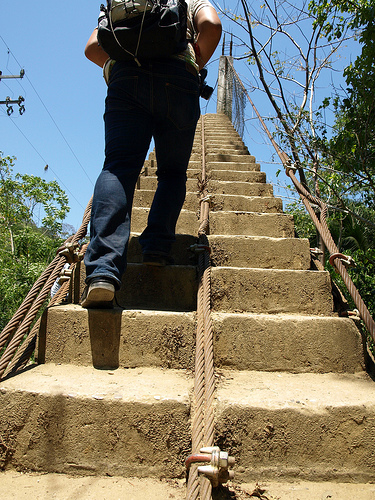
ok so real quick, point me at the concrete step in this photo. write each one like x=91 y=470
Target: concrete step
x=226 y=223
x=260 y=252
x=237 y=158
x=246 y=175
x=118 y=338
x=228 y=148
x=181 y=252
x=188 y=222
x=314 y=427
x=287 y=343
x=135 y=422
x=172 y=288
x=281 y=489
x=236 y=176
x=271 y=291
x=195 y=156
x=196 y=163
x=251 y=224
x=17 y=485
x=240 y=188
x=138 y=338
x=69 y=419
x=235 y=166
x=227 y=141
x=149 y=183
x=219 y=131
x=249 y=203
x=169 y=288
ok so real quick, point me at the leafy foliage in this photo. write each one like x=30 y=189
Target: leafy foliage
x=351 y=148
x=353 y=238
x=290 y=46
x=25 y=248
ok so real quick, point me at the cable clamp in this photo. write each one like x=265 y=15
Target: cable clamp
x=219 y=462
x=346 y=260
x=316 y=251
x=200 y=248
x=355 y=315
x=208 y=198
x=65 y=276
x=289 y=166
x=70 y=252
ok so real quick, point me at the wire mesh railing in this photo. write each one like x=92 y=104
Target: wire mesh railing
x=311 y=202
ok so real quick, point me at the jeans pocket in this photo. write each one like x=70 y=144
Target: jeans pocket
x=122 y=93
x=183 y=104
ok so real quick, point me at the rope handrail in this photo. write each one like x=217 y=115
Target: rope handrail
x=17 y=331
x=320 y=223
x=203 y=428
x=204 y=385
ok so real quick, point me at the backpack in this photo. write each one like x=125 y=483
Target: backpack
x=142 y=29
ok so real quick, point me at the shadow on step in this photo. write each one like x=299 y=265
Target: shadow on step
x=105 y=334
x=223 y=493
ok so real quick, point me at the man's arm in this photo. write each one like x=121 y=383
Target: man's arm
x=93 y=50
x=208 y=26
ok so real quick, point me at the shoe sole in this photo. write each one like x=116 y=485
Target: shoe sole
x=99 y=297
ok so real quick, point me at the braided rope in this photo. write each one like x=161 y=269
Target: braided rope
x=17 y=330
x=24 y=353
x=204 y=385
x=320 y=224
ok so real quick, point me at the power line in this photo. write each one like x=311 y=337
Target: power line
x=49 y=114
x=45 y=162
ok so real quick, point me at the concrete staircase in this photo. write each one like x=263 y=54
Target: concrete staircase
x=113 y=394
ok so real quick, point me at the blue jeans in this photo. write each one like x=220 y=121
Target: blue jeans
x=160 y=99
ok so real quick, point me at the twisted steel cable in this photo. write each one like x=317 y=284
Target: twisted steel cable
x=29 y=318
x=19 y=315
x=15 y=331
x=24 y=353
x=320 y=224
x=193 y=486
x=204 y=386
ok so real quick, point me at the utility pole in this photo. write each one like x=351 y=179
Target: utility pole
x=8 y=101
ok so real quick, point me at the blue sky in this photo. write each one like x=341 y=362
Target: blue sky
x=64 y=93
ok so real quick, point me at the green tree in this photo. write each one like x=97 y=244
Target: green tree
x=351 y=149
x=289 y=47
x=27 y=245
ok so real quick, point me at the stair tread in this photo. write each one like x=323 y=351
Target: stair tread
x=307 y=392
x=150 y=386
x=16 y=485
